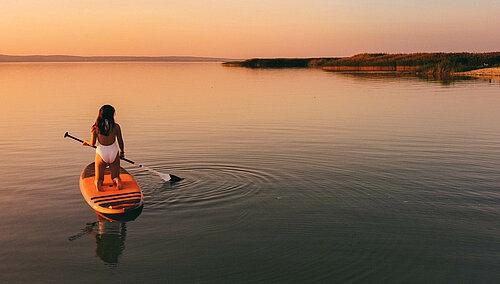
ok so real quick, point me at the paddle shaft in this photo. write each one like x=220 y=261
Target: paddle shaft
x=81 y=141
x=165 y=177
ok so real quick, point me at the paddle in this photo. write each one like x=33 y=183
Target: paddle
x=165 y=177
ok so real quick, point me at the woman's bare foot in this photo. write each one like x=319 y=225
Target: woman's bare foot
x=98 y=184
x=118 y=182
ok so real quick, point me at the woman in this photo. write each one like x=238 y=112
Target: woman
x=107 y=136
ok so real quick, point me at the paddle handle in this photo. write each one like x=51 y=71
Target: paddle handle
x=74 y=138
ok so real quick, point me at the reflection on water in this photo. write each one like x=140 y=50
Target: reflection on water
x=110 y=240
x=289 y=175
x=441 y=78
x=109 y=237
x=110 y=232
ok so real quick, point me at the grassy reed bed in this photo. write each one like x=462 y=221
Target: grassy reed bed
x=431 y=63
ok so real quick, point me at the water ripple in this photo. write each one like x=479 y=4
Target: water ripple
x=208 y=185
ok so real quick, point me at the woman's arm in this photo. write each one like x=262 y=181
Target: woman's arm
x=120 y=140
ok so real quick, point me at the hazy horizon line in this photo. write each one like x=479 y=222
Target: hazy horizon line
x=115 y=58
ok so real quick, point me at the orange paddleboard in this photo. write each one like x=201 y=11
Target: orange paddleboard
x=111 y=200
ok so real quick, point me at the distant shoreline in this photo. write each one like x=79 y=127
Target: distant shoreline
x=73 y=58
x=421 y=63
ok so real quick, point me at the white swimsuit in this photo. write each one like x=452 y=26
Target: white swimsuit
x=108 y=153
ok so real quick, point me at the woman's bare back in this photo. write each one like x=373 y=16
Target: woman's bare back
x=110 y=139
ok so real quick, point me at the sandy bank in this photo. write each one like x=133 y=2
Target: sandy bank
x=491 y=73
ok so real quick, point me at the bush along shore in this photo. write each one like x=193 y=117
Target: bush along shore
x=427 y=63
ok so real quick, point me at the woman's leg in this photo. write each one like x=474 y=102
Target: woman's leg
x=100 y=166
x=115 y=172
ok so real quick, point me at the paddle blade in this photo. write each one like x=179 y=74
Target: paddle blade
x=174 y=178
x=164 y=177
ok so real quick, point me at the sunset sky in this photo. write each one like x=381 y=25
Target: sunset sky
x=243 y=29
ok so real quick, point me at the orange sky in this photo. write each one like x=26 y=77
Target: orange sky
x=243 y=29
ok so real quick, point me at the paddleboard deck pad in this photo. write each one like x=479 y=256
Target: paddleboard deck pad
x=111 y=200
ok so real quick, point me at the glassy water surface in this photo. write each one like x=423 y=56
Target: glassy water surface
x=290 y=176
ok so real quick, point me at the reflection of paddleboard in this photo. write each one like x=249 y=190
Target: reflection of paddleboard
x=110 y=200
x=121 y=217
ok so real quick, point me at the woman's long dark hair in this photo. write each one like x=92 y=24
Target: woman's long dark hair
x=105 y=120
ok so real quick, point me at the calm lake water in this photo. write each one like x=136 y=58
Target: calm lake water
x=290 y=176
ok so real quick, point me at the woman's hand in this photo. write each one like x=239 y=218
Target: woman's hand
x=86 y=143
